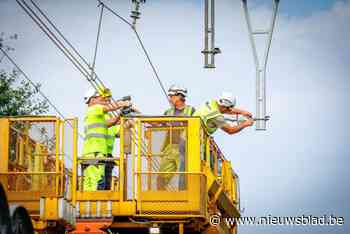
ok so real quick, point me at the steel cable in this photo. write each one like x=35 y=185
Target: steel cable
x=36 y=87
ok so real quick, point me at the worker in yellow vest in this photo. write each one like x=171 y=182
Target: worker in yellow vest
x=173 y=153
x=96 y=136
x=177 y=97
x=212 y=114
x=113 y=133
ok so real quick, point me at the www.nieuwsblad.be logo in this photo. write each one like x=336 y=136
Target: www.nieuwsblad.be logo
x=303 y=220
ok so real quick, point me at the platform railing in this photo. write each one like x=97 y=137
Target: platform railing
x=34 y=162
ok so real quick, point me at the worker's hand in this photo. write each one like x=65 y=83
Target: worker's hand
x=121 y=104
x=115 y=120
x=249 y=122
x=247 y=114
x=134 y=109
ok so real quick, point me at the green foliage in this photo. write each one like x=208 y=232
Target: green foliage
x=18 y=97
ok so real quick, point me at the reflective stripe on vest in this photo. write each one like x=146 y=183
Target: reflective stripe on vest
x=95 y=125
x=97 y=135
x=207 y=112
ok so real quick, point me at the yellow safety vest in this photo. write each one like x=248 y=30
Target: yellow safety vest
x=187 y=111
x=95 y=131
x=113 y=131
x=208 y=111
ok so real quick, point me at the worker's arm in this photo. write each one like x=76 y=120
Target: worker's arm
x=229 y=129
x=236 y=111
x=113 y=121
x=115 y=106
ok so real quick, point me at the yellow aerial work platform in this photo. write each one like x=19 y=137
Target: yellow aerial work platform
x=35 y=171
x=168 y=175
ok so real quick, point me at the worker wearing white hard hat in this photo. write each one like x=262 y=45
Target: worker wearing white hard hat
x=90 y=93
x=96 y=135
x=177 y=97
x=212 y=114
x=173 y=151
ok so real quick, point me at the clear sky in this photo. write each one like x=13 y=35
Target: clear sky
x=300 y=7
x=299 y=166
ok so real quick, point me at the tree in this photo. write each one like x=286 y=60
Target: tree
x=18 y=97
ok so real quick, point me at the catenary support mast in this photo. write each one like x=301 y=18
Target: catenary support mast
x=260 y=64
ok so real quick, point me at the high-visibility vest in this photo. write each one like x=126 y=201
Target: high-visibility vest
x=113 y=131
x=96 y=131
x=208 y=111
x=187 y=111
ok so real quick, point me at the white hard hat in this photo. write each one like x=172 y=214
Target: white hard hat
x=89 y=94
x=227 y=99
x=177 y=89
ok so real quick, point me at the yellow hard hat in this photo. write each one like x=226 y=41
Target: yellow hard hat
x=104 y=92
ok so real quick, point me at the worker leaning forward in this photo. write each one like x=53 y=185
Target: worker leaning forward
x=173 y=153
x=212 y=114
x=96 y=126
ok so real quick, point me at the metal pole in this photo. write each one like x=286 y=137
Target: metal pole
x=272 y=27
x=209 y=34
x=206 y=32
x=260 y=67
x=212 y=31
x=75 y=165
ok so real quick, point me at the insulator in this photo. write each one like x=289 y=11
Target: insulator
x=135 y=13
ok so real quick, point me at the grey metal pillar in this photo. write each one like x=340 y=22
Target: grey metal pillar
x=209 y=34
x=260 y=66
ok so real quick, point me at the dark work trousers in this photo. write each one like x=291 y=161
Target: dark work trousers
x=105 y=182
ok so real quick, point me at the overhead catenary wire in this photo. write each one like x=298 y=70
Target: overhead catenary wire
x=79 y=65
x=142 y=46
x=59 y=33
x=85 y=71
x=84 y=60
x=93 y=76
x=1 y=57
x=94 y=81
x=143 y=49
x=97 y=39
x=36 y=87
x=88 y=72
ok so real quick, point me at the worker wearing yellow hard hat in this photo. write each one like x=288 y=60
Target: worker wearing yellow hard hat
x=96 y=136
x=212 y=114
x=173 y=153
